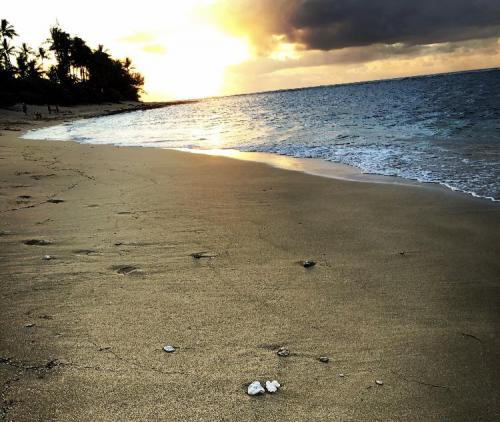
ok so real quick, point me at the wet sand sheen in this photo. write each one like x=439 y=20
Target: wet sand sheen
x=404 y=291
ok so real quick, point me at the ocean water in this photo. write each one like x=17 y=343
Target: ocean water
x=441 y=129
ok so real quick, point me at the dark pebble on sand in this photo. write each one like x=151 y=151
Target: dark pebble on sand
x=308 y=263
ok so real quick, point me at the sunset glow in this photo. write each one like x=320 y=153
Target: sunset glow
x=199 y=48
x=194 y=63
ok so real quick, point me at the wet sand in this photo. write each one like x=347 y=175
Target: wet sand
x=405 y=290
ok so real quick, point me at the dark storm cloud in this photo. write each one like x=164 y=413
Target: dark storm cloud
x=334 y=24
x=331 y=24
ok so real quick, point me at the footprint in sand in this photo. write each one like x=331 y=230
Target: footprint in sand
x=55 y=200
x=37 y=242
x=40 y=176
x=125 y=269
x=85 y=252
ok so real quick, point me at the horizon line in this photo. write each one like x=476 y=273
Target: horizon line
x=370 y=81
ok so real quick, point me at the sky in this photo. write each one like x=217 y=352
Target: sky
x=198 y=48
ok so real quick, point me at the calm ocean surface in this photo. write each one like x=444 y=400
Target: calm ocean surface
x=443 y=129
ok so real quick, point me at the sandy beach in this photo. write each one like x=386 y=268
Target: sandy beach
x=405 y=290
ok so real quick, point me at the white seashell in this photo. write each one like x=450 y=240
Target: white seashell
x=283 y=352
x=341 y=375
x=47 y=257
x=169 y=349
x=255 y=388
x=272 y=386
x=379 y=382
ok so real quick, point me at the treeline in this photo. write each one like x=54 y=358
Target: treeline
x=64 y=70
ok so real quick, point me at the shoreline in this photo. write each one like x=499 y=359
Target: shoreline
x=331 y=170
x=311 y=166
x=405 y=290
x=12 y=115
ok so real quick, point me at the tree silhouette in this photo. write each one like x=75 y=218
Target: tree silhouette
x=77 y=73
x=6 y=51
x=42 y=55
x=80 y=57
x=7 y=30
x=60 y=45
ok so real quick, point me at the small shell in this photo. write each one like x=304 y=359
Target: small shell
x=324 y=359
x=169 y=349
x=47 y=257
x=255 y=388
x=341 y=375
x=379 y=382
x=272 y=386
x=308 y=263
x=283 y=352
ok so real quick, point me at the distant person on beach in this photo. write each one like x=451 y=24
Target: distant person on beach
x=49 y=108
x=25 y=109
x=57 y=109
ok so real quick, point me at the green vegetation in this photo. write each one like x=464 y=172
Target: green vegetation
x=65 y=70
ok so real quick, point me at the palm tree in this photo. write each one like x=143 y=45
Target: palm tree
x=60 y=45
x=77 y=73
x=22 y=64
x=52 y=74
x=34 y=69
x=127 y=64
x=26 y=49
x=80 y=56
x=7 y=30
x=27 y=65
x=102 y=52
x=6 y=50
x=42 y=55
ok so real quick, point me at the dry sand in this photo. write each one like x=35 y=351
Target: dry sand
x=82 y=342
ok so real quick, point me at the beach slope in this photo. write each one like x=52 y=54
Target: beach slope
x=405 y=291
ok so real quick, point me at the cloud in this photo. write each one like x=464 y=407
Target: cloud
x=138 y=37
x=146 y=41
x=360 y=55
x=335 y=24
x=154 y=48
x=351 y=64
